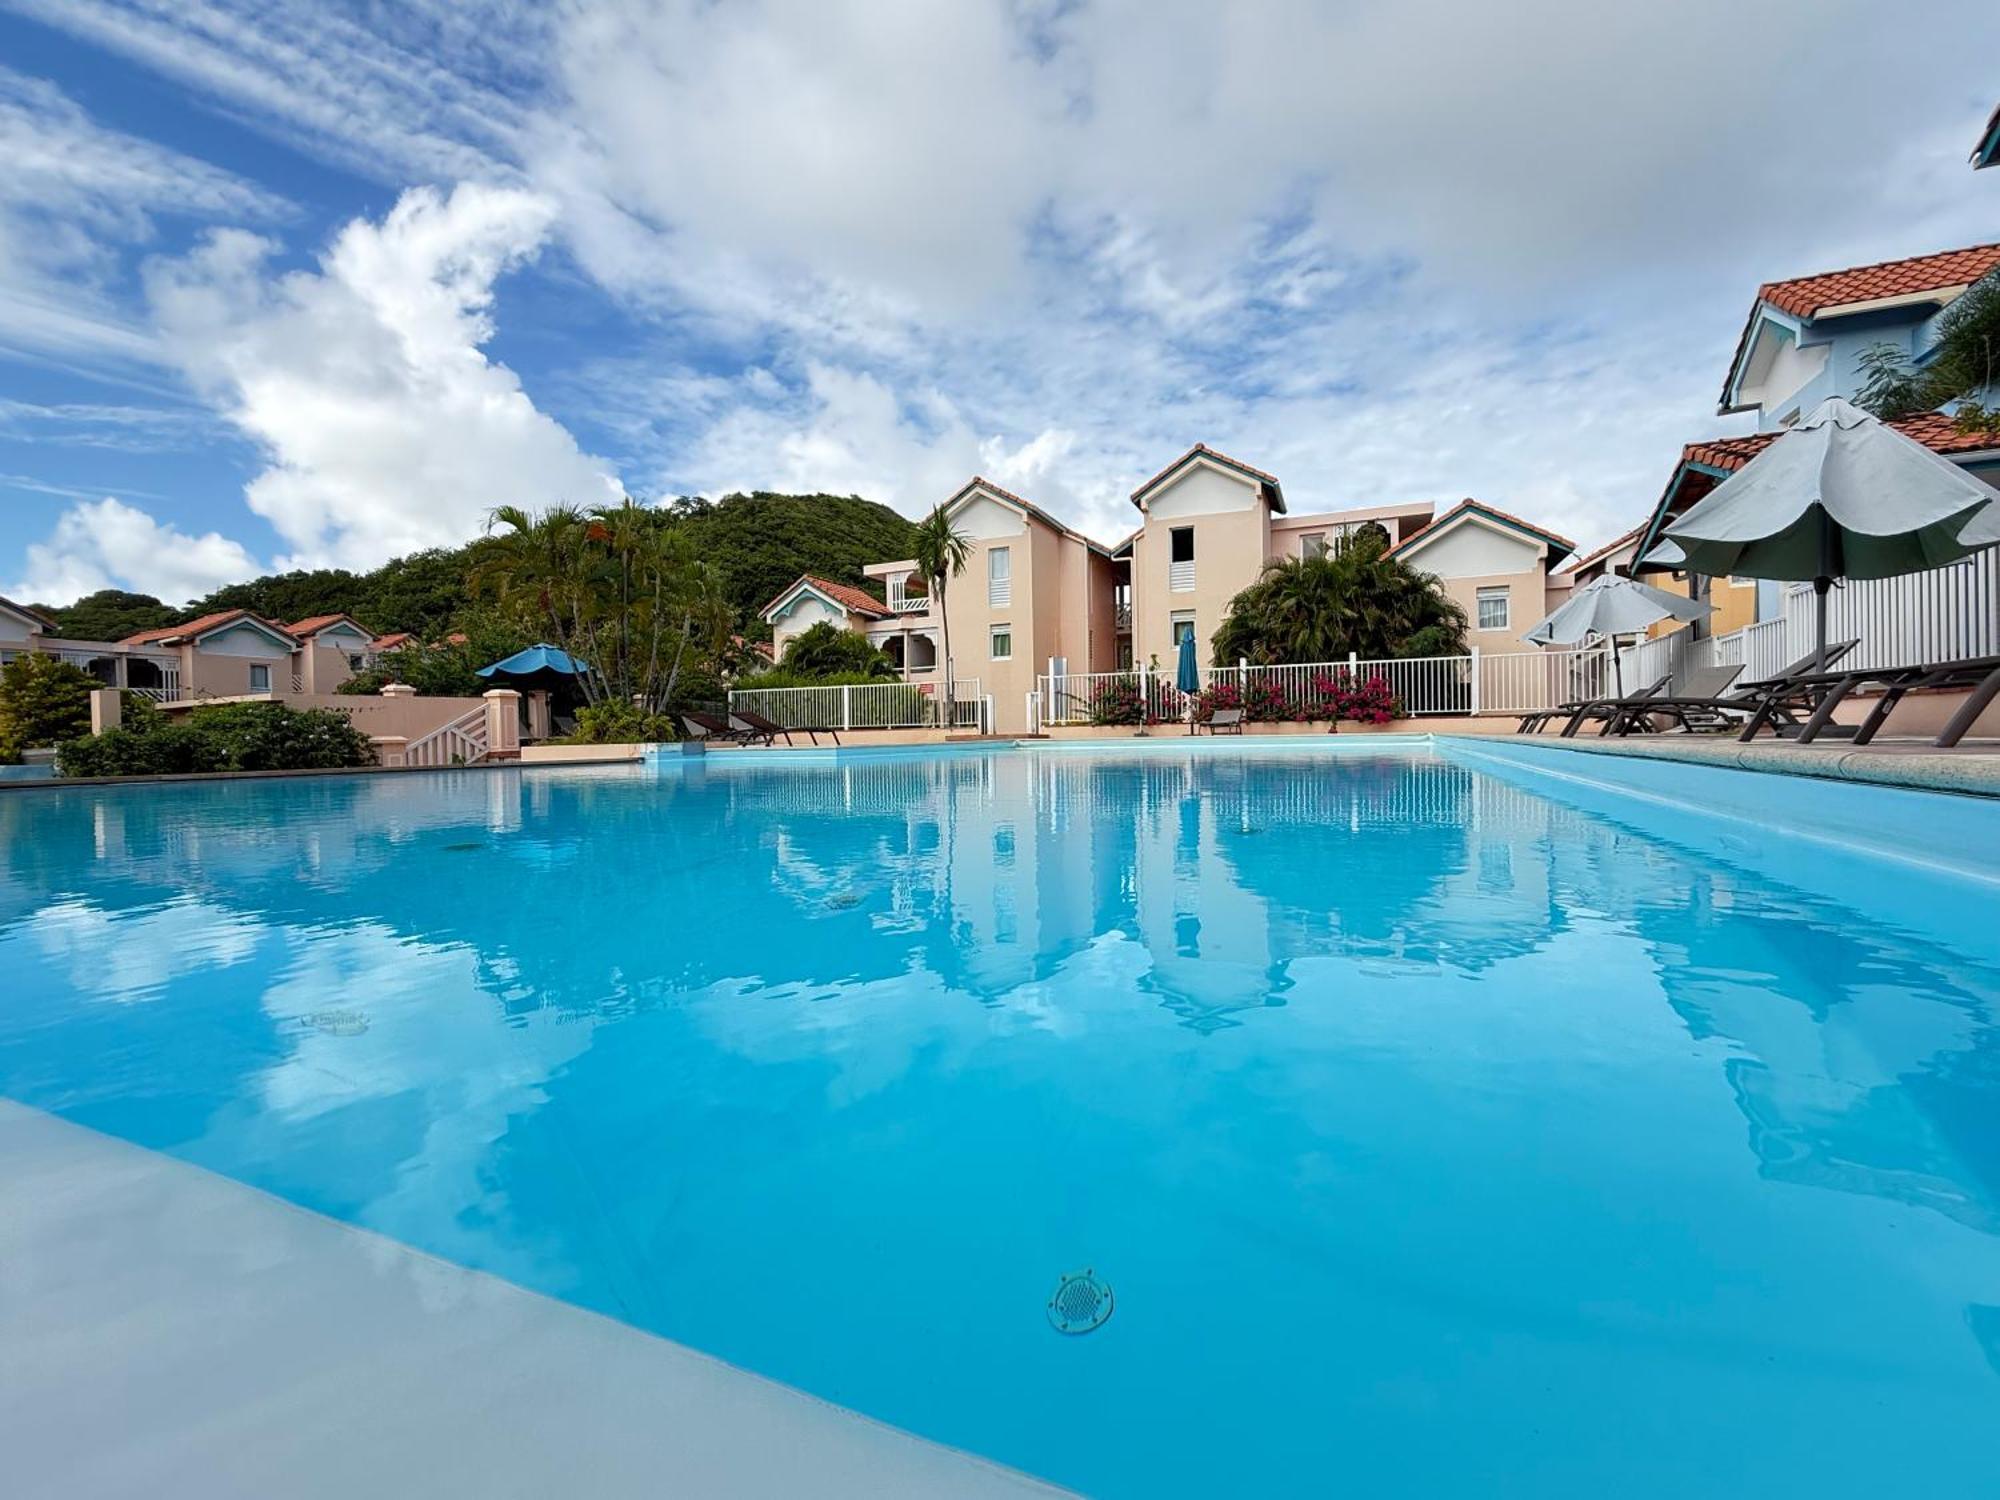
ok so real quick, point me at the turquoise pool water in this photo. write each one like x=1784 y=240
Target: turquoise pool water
x=1443 y=1126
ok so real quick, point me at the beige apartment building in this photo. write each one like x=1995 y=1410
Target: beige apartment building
x=1038 y=596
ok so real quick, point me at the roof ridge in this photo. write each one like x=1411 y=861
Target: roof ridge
x=1878 y=265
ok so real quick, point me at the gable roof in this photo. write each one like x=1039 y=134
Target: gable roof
x=1987 y=152
x=313 y=624
x=1274 y=493
x=1706 y=463
x=391 y=641
x=1559 y=545
x=194 y=630
x=848 y=597
x=26 y=613
x=980 y=482
x=1812 y=296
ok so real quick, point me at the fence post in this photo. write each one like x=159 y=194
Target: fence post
x=1475 y=680
x=1145 y=698
x=846 y=705
x=1242 y=679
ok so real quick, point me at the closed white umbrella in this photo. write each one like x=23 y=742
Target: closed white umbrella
x=1842 y=495
x=1611 y=606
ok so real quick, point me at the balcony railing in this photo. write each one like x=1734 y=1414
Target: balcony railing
x=1121 y=617
x=1180 y=577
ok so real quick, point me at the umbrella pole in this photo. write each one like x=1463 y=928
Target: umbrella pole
x=1617 y=669
x=1822 y=586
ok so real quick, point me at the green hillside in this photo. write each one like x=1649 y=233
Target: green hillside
x=759 y=542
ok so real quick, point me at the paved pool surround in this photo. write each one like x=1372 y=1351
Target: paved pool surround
x=165 y=1331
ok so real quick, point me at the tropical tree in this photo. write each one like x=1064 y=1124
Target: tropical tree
x=619 y=587
x=941 y=553
x=826 y=650
x=1963 y=363
x=43 y=701
x=541 y=567
x=1356 y=599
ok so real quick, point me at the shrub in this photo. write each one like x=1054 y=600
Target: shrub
x=434 y=671
x=827 y=651
x=615 y=723
x=1118 y=701
x=43 y=701
x=228 y=737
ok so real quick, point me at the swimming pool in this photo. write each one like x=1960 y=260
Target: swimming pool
x=1446 y=1121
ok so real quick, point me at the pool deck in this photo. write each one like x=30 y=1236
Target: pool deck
x=1972 y=769
x=165 y=1331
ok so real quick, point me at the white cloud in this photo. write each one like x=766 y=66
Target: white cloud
x=1391 y=251
x=73 y=193
x=385 y=425
x=106 y=543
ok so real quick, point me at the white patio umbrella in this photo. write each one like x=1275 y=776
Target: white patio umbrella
x=1842 y=495
x=1611 y=606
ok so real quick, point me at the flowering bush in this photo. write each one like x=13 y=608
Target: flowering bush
x=1326 y=698
x=1118 y=701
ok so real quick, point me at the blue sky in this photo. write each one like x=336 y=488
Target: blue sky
x=284 y=283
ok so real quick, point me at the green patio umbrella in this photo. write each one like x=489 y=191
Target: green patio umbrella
x=1187 y=676
x=1842 y=495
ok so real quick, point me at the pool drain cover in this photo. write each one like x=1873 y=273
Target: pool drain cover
x=338 y=1022
x=1081 y=1302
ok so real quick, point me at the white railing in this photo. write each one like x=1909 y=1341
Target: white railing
x=867 y=705
x=462 y=742
x=1946 y=614
x=1180 y=577
x=903 y=603
x=1508 y=683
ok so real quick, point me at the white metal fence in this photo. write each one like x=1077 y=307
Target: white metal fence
x=1476 y=683
x=868 y=705
x=1946 y=614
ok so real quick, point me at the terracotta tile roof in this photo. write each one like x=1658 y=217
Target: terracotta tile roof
x=200 y=626
x=859 y=600
x=313 y=624
x=392 y=641
x=1202 y=450
x=1697 y=472
x=1807 y=296
x=1557 y=541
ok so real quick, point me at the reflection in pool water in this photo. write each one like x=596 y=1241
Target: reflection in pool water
x=1440 y=1135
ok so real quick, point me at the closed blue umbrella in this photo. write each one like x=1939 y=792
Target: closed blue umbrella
x=1187 y=676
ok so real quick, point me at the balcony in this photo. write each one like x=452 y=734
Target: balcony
x=1121 y=617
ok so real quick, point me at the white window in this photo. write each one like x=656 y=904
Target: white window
x=1183 y=623
x=1313 y=544
x=1493 y=608
x=1000 y=644
x=260 y=679
x=1000 y=576
x=1180 y=560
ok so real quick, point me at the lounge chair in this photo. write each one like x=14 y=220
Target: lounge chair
x=1783 y=698
x=757 y=727
x=1979 y=673
x=1223 y=721
x=701 y=726
x=1696 y=690
x=1541 y=718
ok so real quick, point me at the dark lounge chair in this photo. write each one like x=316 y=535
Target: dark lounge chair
x=1695 y=689
x=701 y=726
x=757 y=727
x=1224 y=721
x=1981 y=674
x=1541 y=718
x=1783 y=698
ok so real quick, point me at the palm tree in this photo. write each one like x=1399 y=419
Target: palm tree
x=942 y=552
x=1355 y=599
x=542 y=567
